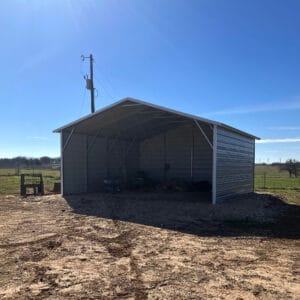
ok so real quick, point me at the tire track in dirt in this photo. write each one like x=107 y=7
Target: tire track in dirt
x=98 y=258
x=119 y=247
x=30 y=242
x=125 y=241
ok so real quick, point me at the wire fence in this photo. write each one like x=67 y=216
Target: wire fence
x=10 y=179
x=276 y=182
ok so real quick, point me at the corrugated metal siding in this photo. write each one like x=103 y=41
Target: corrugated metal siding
x=86 y=164
x=113 y=162
x=96 y=164
x=132 y=161
x=122 y=159
x=110 y=158
x=178 y=148
x=178 y=152
x=74 y=164
x=152 y=157
x=235 y=161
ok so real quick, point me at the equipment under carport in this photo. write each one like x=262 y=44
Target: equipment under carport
x=34 y=181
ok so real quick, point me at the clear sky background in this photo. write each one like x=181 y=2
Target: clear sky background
x=233 y=61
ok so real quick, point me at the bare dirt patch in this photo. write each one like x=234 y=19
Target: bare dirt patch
x=148 y=247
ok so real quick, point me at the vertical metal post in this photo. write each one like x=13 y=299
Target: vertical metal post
x=192 y=156
x=107 y=157
x=165 y=156
x=61 y=163
x=253 y=169
x=214 y=166
x=86 y=164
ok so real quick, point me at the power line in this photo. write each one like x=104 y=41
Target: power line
x=80 y=69
x=103 y=87
x=105 y=78
x=82 y=102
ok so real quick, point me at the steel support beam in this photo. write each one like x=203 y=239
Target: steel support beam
x=61 y=164
x=203 y=133
x=214 y=166
x=91 y=144
x=68 y=139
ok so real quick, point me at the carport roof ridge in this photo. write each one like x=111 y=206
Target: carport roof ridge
x=134 y=101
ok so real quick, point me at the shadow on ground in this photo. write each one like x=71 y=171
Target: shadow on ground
x=248 y=215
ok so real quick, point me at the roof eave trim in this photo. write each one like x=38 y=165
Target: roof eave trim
x=186 y=115
x=91 y=115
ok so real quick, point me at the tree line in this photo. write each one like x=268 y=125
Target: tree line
x=27 y=162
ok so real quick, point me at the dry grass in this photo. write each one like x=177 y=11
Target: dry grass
x=47 y=251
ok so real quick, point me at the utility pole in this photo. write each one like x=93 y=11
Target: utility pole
x=92 y=85
x=90 y=81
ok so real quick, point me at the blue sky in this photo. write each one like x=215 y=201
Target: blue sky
x=236 y=62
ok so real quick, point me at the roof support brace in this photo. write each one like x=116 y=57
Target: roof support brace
x=90 y=146
x=204 y=134
x=68 y=139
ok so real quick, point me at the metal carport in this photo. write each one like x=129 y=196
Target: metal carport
x=132 y=135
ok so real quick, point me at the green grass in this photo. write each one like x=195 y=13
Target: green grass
x=11 y=184
x=277 y=182
x=273 y=180
x=55 y=173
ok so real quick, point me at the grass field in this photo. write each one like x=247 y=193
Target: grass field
x=271 y=179
x=267 y=179
x=10 y=180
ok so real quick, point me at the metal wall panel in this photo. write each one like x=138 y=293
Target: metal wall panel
x=88 y=161
x=152 y=157
x=235 y=164
x=185 y=151
x=132 y=161
x=96 y=161
x=111 y=158
x=74 y=164
x=122 y=159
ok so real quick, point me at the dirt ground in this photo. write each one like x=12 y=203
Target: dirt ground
x=148 y=247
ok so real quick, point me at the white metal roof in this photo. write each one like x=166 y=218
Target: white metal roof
x=131 y=102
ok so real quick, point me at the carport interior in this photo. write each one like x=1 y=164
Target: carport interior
x=131 y=140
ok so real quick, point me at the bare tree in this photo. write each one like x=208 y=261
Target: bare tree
x=292 y=166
